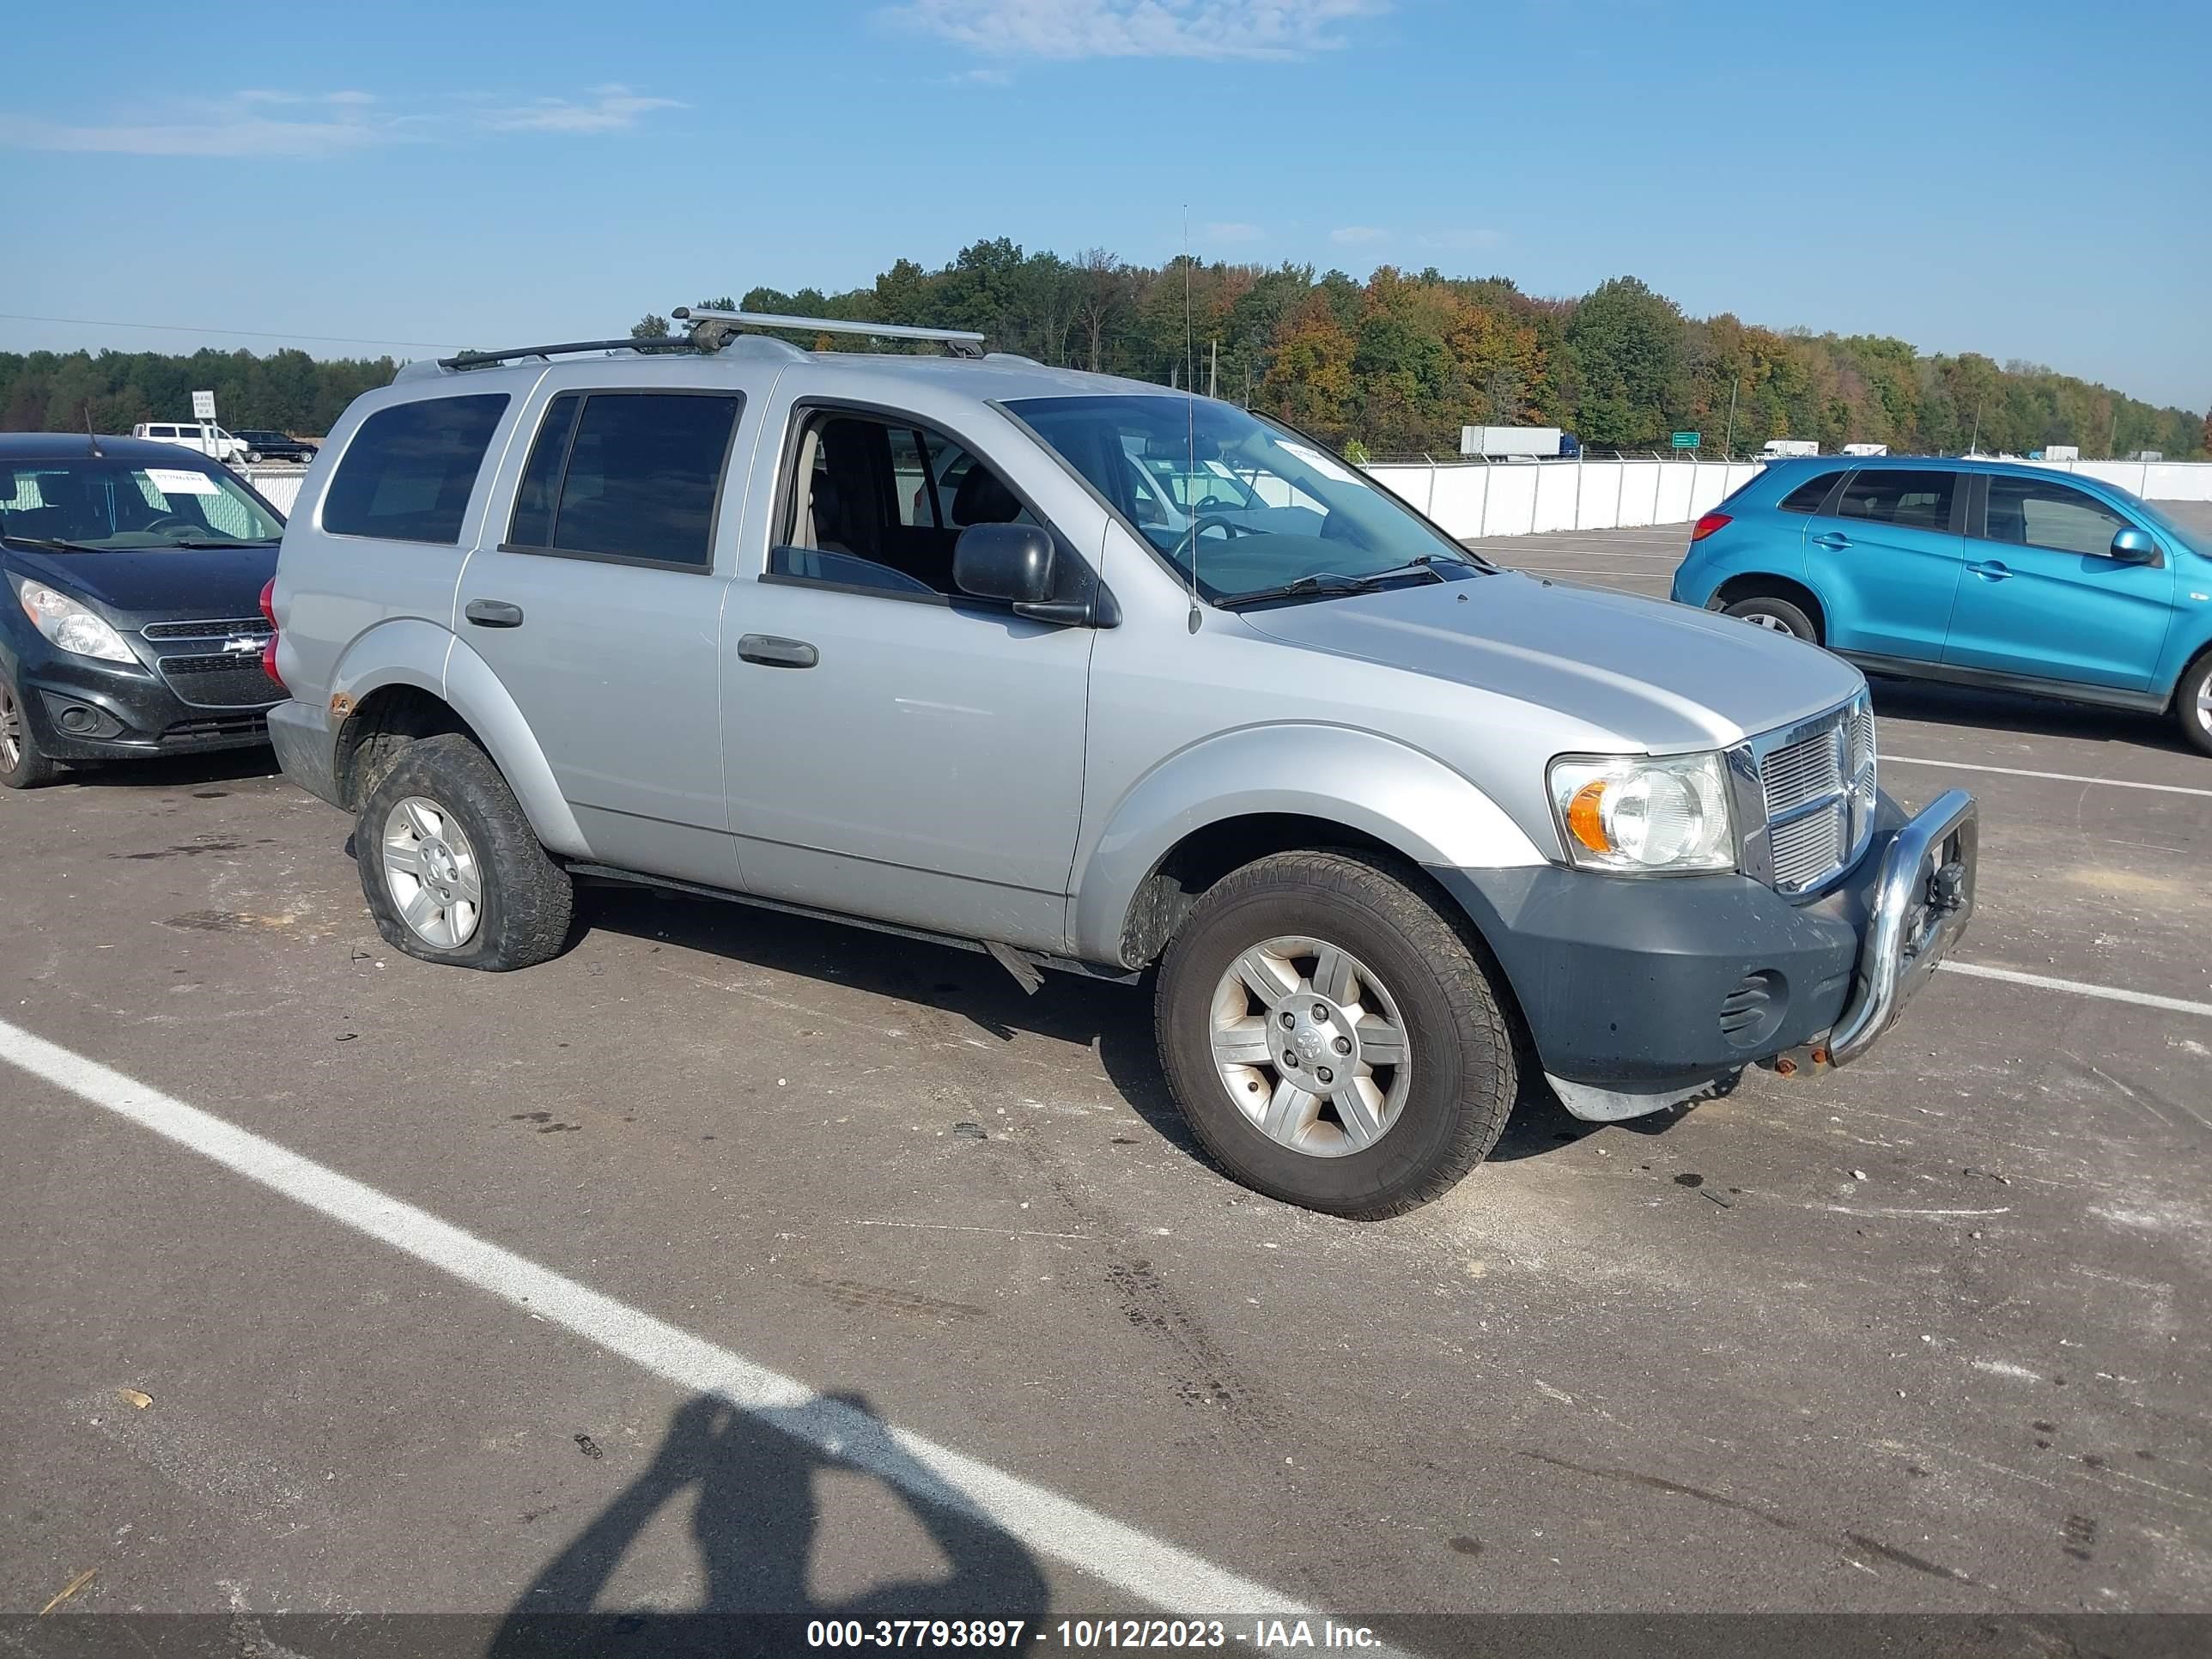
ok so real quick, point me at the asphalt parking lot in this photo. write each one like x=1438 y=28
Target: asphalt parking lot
x=1927 y=1334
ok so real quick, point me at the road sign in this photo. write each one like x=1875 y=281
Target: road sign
x=204 y=405
x=1688 y=440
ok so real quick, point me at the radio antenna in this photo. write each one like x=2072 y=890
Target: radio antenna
x=1190 y=424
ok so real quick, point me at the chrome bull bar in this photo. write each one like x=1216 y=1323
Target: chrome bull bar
x=1921 y=904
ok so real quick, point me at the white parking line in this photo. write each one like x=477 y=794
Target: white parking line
x=2078 y=988
x=1118 y=1554
x=2055 y=777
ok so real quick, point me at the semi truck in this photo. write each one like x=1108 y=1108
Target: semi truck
x=1517 y=442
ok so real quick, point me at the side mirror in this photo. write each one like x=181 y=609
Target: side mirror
x=1009 y=562
x=2134 y=546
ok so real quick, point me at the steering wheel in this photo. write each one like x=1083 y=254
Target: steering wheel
x=1229 y=528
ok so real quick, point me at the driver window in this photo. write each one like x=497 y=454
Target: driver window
x=877 y=502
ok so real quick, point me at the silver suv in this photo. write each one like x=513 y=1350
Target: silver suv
x=1093 y=676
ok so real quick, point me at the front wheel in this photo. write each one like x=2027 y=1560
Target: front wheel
x=451 y=868
x=21 y=765
x=1332 y=1039
x=2192 y=703
x=1779 y=616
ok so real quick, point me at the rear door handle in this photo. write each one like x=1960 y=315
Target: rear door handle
x=1990 y=570
x=1832 y=540
x=772 y=651
x=493 y=613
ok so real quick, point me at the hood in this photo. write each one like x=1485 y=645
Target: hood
x=144 y=583
x=1658 y=676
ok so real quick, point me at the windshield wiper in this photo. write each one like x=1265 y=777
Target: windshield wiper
x=1332 y=583
x=258 y=541
x=51 y=543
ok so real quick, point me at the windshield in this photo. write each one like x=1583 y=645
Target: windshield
x=99 y=502
x=2195 y=540
x=1255 y=505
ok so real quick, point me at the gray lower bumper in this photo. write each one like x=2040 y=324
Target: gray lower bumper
x=306 y=748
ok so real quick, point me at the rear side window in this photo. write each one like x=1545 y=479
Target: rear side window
x=407 y=474
x=627 y=476
x=1911 y=499
x=1808 y=495
x=2030 y=512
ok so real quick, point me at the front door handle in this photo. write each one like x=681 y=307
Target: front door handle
x=1992 y=570
x=1833 y=540
x=772 y=651
x=493 y=613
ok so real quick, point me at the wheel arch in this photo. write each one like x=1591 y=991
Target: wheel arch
x=1223 y=803
x=409 y=679
x=1765 y=585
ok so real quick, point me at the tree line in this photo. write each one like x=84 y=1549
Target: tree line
x=1393 y=366
x=1397 y=364
x=285 y=392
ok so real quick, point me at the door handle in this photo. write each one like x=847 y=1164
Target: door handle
x=1990 y=570
x=1832 y=539
x=771 y=651
x=493 y=613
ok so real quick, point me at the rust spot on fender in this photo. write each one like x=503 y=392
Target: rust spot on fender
x=342 y=704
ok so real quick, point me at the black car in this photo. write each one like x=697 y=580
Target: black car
x=132 y=623
x=274 y=446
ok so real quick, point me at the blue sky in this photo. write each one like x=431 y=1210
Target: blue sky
x=2026 y=179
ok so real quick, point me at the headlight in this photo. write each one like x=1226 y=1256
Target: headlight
x=72 y=626
x=1643 y=816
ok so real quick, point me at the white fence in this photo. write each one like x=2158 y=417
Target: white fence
x=1472 y=499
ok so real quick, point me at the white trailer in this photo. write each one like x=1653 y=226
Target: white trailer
x=1866 y=449
x=2062 y=452
x=1776 y=449
x=1533 y=440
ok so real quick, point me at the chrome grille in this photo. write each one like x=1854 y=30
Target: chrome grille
x=1817 y=785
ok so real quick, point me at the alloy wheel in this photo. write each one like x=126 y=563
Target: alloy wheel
x=430 y=870
x=1311 y=1046
x=11 y=731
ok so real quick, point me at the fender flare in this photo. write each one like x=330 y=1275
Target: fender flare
x=1406 y=799
x=409 y=651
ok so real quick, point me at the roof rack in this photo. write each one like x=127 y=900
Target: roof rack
x=482 y=359
x=711 y=330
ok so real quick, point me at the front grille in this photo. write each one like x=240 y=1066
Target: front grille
x=253 y=627
x=1818 y=783
x=217 y=725
x=226 y=680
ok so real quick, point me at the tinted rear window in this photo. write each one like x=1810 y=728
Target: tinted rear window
x=1911 y=499
x=407 y=474
x=636 y=474
x=1808 y=495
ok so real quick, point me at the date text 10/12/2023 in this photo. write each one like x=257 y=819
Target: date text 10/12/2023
x=1087 y=1634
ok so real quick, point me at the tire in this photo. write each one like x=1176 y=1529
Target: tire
x=21 y=764
x=2192 y=702
x=443 y=835
x=1440 y=1111
x=253 y=457
x=1779 y=615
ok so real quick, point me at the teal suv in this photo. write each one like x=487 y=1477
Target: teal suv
x=1977 y=572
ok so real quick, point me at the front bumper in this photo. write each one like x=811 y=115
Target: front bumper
x=82 y=708
x=1639 y=994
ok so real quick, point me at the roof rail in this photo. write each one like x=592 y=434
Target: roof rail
x=484 y=359
x=711 y=330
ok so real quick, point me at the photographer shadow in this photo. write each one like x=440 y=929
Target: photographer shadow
x=753 y=1477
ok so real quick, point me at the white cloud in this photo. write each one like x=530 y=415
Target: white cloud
x=313 y=125
x=610 y=109
x=981 y=77
x=1354 y=235
x=1137 y=28
x=1234 y=231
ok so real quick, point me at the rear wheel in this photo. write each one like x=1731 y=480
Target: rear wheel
x=451 y=868
x=2192 y=702
x=21 y=765
x=1778 y=615
x=1332 y=1039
